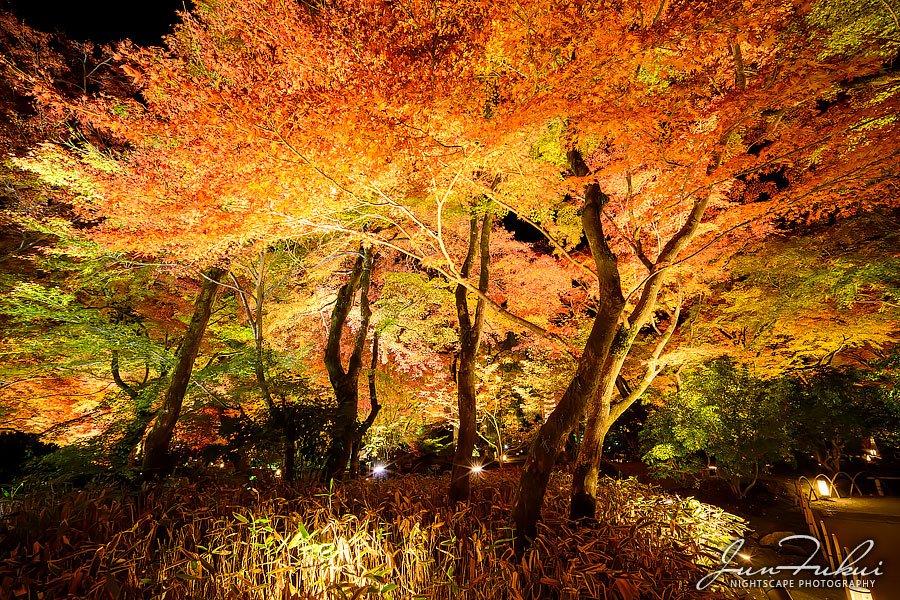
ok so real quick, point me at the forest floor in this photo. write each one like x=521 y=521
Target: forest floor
x=220 y=537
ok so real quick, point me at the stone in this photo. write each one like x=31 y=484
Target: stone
x=771 y=540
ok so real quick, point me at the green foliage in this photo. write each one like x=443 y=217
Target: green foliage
x=724 y=413
x=882 y=391
x=417 y=311
x=302 y=410
x=72 y=331
x=655 y=75
x=58 y=168
x=567 y=226
x=832 y=411
x=511 y=399
x=853 y=25
x=796 y=302
x=75 y=466
x=305 y=418
x=400 y=420
x=548 y=146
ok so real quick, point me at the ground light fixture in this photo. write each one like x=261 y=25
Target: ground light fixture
x=855 y=592
x=379 y=470
x=824 y=488
x=477 y=469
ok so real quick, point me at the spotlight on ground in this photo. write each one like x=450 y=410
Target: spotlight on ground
x=859 y=593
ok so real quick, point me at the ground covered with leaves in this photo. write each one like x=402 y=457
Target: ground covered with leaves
x=221 y=538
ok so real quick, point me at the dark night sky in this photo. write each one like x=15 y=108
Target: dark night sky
x=102 y=21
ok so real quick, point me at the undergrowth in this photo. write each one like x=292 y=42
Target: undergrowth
x=398 y=538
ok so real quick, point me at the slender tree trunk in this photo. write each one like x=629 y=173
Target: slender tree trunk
x=127 y=447
x=467 y=432
x=157 y=461
x=469 y=340
x=278 y=415
x=346 y=383
x=374 y=409
x=571 y=407
x=289 y=468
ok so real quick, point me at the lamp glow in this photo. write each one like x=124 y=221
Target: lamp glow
x=859 y=593
x=477 y=468
x=824 y=488
x=379 y=470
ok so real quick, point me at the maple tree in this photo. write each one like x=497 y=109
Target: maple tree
x=660 y=135
x=345 y=433
x=675 y=117
x=824 y=298
x=470 y=328
x=156 y=445
x=253 y=302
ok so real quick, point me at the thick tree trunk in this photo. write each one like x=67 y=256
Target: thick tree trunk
x=346 y=383
x=354 y=458
x=586 y=473
x=587 y=464
x=156 y=448
x=571 y=407
x=603 y=411
x=469 y=340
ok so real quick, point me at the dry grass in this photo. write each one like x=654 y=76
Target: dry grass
x=221 y=539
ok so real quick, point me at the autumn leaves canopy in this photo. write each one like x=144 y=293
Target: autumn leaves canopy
x=643 y=138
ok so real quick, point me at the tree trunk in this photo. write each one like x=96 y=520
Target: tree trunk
x=373 y=411
x=583 y=502
x=469 y=340
x=289 y=467
x=127 y=448
x=567 y=414
x=157 y=461
x=467 y=432
x=834 y=451
x=346 y=383
x=603 y=411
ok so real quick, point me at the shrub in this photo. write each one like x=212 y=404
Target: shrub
x=396 y=538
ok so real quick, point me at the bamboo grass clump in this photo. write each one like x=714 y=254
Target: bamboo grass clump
x=225 y=540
